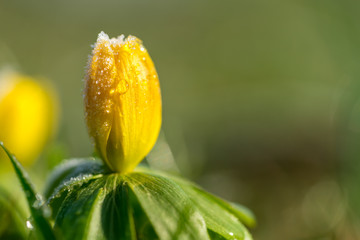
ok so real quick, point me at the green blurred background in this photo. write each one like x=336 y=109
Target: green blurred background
x=260 y=98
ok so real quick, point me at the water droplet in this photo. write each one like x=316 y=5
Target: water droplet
x=231 y=234
x=29 y=225
x=37 y=204
x=122 y=87
x=46 y=211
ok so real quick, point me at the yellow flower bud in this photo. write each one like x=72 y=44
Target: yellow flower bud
x=27 y=116
x=122 y=101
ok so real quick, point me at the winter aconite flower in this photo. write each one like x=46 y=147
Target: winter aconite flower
x=122 y=101
x=28 y=112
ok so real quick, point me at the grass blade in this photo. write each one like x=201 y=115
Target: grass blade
x=38 y=210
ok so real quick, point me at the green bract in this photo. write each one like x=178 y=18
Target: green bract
x=93 y=204
x=89 y=202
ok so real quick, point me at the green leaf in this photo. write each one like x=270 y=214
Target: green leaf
x=170 y=211
x=104 y=207
x=218 y=218
x=243 y=214
x=198 y=195
x=80 y=212
x=73 y=168
x=144 y=204
x=97 y=207
x=221 y=218
x=69 y=176
x=12 y=218
x=38 y=209
x=117 y=212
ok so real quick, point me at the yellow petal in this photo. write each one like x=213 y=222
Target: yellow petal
x=122 y=101
x=27 y=116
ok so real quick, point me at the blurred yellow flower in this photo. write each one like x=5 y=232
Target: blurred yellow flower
x=28 y=116
x=122 y=101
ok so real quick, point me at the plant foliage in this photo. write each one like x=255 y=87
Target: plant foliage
x=90 y=202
